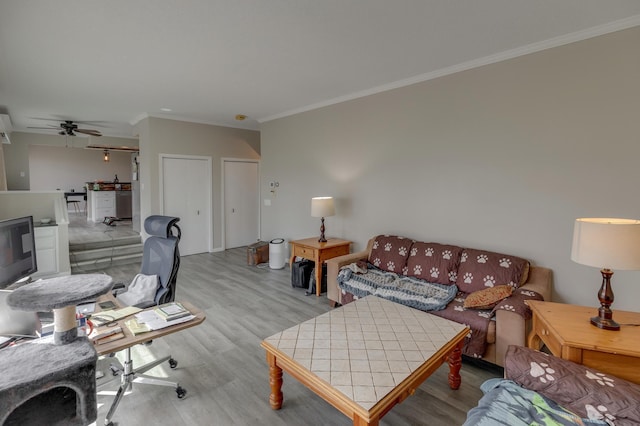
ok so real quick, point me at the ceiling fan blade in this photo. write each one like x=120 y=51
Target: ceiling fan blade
x=88 y=132
x=44 y=128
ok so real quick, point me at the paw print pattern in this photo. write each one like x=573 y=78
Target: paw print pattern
x=464 y=256
x=405 y=270
x=505 y=263
x=600 y=378
x=447 y=254
x=542 y=371
x=508 y=308
x=457 y=299
x=528 y=293
x=453 y=276
x=387 y=247
x=402 y=251
x=376 y=244
x=489 y=281
x=434 y=272
x=482 y=258
x=391 y=265
x=484 y=314
x=468 y=278
x=458 y=308
x=428 y=252
x=599 y=413
x=376 y=262
x=414 y=251
x=417 y=270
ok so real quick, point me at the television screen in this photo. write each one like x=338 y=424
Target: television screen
x=17 y=250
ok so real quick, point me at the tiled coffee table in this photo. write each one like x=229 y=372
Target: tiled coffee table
x=365 y=357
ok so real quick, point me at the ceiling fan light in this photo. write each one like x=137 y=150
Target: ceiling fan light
x=106 y=156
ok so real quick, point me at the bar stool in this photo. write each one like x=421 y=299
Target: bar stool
x=75 y=203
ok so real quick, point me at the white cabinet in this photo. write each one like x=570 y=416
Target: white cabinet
x=101 y=204
x=46 y=251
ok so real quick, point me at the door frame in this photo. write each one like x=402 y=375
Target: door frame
x=208 y=189
x=223 y=242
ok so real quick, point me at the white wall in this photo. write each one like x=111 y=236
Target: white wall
x=54 y=167
x=17 y=155
x=502 y=157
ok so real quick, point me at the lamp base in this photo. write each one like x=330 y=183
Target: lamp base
x=605 y=323
x=604 y=320
x=322 y=239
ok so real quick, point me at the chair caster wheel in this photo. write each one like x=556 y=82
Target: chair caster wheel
x=181 y=392
x=173 y=363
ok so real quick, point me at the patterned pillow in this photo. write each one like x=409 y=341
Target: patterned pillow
x=433 y=262
x=480 y=269
x=585 y=391
x=390 y=253
x=487 y=298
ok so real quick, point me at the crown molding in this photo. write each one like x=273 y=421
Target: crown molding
x=622 y=24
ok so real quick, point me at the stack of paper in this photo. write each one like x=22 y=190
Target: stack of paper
x=172 y=311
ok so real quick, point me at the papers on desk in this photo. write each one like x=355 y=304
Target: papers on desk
x=149 y=320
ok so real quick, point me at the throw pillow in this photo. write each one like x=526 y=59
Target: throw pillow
x=480 y=269
x=585 y=391
x=433 y=262
x=390 y=253
x=487 y=298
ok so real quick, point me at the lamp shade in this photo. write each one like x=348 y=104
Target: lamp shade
x=607 y=243
x=322 y=207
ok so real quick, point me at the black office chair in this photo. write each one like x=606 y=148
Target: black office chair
x=161 y=257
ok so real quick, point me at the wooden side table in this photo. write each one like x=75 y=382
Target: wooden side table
x=568 y=334
x=312 y=249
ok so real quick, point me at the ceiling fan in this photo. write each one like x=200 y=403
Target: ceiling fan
x=69 y=128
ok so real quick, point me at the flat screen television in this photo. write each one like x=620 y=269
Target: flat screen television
x=17 y=250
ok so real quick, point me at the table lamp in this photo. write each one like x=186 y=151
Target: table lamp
x=606 y=243
x=322 y=207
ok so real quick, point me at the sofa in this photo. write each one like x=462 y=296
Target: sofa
x=539 y=388
x=483 y=289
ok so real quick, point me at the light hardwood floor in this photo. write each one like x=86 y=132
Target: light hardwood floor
x=224 y=369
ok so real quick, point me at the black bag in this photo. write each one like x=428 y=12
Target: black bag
x=312 y=282
x=301 y=273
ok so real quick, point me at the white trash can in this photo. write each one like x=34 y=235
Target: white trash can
x=277 y=257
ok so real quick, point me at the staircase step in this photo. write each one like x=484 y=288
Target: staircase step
x=105 y=262
x=110 y=242
x=76 y=256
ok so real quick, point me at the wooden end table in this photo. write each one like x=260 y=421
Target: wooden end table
x=567 y=332
x=312 y=249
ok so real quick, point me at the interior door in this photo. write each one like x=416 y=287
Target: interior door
x=241 y=203
x=186 y=189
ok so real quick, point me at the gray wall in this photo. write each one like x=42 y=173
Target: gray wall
x=161 y=136
x=502 y=157
x=54 y=167
x=18 y=168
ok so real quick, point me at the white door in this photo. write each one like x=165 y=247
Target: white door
x=186 y=189
x=241 y=203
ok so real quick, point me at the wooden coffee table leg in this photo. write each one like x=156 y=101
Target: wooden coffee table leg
x=275 y=381
x=455 y=363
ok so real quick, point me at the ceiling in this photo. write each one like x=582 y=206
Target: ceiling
x=115 y=62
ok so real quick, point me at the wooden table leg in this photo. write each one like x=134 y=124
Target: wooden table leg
x=318 y=276
x=455 y=363
x=359 y=421
x=275 y=381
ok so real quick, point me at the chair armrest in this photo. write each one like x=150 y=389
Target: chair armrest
x=333 y=267
x=513 y=325
x=118 y=288
x=540 y=281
